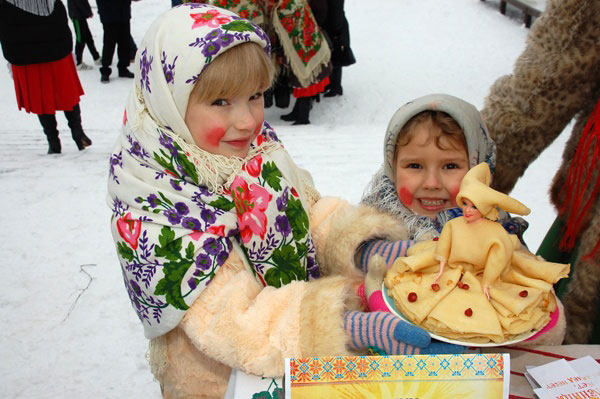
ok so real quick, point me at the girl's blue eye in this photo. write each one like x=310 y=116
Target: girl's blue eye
x=413 y=166
x=219 y=102
x=452 y=166
x=256 y=96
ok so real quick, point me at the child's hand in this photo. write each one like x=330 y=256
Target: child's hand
x=392 y=335
x=389 y=250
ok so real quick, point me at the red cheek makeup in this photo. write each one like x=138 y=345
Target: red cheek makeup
x=214 y=136
x=405 y=196
x=453 y=194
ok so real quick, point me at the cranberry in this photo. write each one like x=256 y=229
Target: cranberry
x=469 y=312
x=412 y=297
x=435 y=287
x=459 y=284
x=436 y=238
x=523 y=294
x=465 y=286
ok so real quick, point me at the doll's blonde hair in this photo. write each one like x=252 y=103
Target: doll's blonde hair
x=243 y=68
x=443 y=130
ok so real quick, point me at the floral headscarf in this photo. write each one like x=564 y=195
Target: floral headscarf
x=382 y=192
x=179 y=211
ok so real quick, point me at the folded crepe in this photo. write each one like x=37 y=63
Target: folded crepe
x=535 y=268
x=418 y=287
x=451 y=318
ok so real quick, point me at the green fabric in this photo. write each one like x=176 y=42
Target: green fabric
x=77 y=30
x=549 y=250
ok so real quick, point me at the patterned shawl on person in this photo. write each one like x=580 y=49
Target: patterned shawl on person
x=178 y=211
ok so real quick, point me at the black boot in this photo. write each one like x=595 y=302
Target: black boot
x=281 y=91
x=74 y=120
x=48 y=122
x=335 y=83
x=304 y=106
x=292 y=115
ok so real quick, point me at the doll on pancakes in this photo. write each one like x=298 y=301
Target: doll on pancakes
x=476 y=283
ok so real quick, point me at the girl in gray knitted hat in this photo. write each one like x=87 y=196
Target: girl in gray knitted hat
x=430 y=144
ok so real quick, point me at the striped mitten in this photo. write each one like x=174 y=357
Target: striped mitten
x=389 y=250
x=392 y=335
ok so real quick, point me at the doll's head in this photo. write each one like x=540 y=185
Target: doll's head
x=430 y=145
x=200 y=74
x=430 y=160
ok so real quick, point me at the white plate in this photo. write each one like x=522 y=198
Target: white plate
x=392 y=306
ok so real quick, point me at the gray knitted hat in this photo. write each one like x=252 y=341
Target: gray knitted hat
x=480 y=146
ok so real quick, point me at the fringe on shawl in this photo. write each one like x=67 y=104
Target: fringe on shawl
x=306 y=74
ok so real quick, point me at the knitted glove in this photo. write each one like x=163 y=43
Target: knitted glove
x=392 y=335
x=389 y=250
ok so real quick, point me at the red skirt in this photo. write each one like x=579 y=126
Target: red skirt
x=47 y=87
x=311 y=90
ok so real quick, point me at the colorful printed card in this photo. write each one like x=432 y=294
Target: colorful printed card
x=466 y=376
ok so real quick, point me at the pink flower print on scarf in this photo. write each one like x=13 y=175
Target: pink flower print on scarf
x=253 y=166
x=211 y=18
x=250 y=203
x=129 y=230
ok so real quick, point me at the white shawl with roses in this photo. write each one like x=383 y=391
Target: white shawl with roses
x=179 y=211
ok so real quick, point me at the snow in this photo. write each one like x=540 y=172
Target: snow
x=67 y=326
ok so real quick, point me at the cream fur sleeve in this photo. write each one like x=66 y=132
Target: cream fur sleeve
x=339 y=228
x=238 y=322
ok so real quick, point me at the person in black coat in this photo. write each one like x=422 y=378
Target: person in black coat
x=341 y=55
x=79 y=12
x=36 y=41
x=115 y=16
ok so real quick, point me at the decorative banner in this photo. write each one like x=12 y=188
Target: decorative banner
x=466 y=376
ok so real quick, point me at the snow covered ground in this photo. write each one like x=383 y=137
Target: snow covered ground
x=67 y=327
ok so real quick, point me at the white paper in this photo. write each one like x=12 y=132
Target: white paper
x=561 y=379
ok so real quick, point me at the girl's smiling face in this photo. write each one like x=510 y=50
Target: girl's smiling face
x=427 y=176
x=226 y=126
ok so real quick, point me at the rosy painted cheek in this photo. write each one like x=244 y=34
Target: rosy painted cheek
x=406 y=196
x=214 y=136
x=453 y=194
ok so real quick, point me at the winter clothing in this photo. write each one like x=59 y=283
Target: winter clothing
x=382 y=330
x=389 y=250
x=39 y=38
x=220 y=256
x=341 y=53
x=556 y=79
x=115 y=16
x=38 y=45
x=79 y=12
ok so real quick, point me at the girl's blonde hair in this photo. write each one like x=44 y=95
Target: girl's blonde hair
x=447 y=129
x=243 y=68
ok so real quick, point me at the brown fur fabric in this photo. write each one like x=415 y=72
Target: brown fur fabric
x=555 y=79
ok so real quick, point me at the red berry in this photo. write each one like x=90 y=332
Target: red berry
x=436 y=238
x=523 y=294
x=435 y=287
x=469 y=312
x=412 y=297
x=465 y=286
x=459 y=284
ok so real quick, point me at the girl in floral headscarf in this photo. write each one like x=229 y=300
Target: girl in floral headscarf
x=217 y=230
